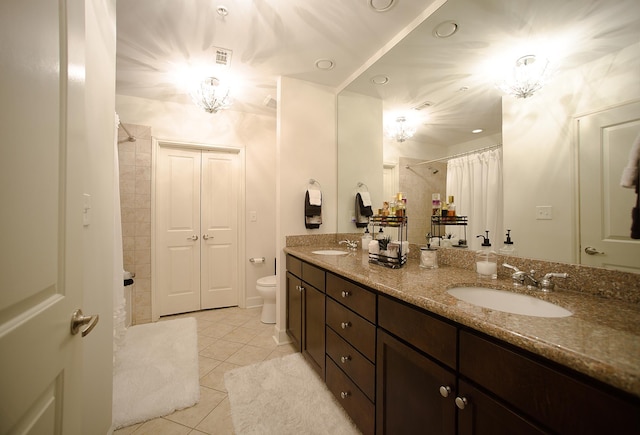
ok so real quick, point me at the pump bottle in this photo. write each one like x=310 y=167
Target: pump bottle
x=486 y=260
x=508 y=248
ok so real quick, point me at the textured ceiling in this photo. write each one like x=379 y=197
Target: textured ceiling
x=270 y=38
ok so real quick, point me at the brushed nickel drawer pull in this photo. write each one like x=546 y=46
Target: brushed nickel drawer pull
x=445 y=390
x=345 y=325
x=345 y=394
x=345 y=359
x=346 y=294
x=461 y=402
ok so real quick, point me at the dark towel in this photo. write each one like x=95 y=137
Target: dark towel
x=635 y=214
x=364 y=211
x=311 y=210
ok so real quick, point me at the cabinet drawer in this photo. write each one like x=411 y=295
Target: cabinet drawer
x=428 y=334
x=352 y=362
x=356 y=297
x=554 y=398
x=357 y=331
x=313 y=275
x=294 y=265
x=359 y=408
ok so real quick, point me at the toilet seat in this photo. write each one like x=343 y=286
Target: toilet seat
x=267 y=281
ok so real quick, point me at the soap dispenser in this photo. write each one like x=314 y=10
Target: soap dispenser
x=486 y=260
x=366 y=238
x=508 y=248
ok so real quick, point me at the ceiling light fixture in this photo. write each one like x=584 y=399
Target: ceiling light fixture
x=381 y=5
x=401 y=130
x=477 y=130
x=379 y=80
x=445 y=29
x=528 y=76
x=210 y=96
x=325 y=64
x=222 y=11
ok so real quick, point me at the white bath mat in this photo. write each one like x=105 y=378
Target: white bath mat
x=156 y=371
x=283 y=396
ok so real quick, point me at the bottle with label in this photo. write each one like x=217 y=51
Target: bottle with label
x=452 y=208
x=508 y=248
x=435 y=204
x=486 y=260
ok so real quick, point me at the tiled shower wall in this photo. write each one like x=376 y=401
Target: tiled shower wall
x=135 y=200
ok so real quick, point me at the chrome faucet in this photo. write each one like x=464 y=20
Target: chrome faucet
x=545 y=284
x=352 y=245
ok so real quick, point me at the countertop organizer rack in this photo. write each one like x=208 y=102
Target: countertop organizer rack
x=391 y=258
x=439 y=222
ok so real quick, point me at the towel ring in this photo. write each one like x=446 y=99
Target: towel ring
x=314 y=182
x=361 y=184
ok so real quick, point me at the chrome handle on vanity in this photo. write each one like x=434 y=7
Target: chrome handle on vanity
x=445 y=390
x=345 y=325
x=346 y=294
x=592 y=251
x=345 y=394
x=344 y=359
x=194 y=238
x=299 y=288
x=461 y=402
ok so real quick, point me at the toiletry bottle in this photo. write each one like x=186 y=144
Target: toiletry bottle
x=508 y=248
x=486 y=260
x=452 y=208
x=366 y=238
x=445 y=211
x=435 y=204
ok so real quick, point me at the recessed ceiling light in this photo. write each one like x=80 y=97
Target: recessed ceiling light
x=445 y=29
x=222 y=11
x=381 y=5
x=325 y=64
x=423 y=105
x=379 y=80
x=477 y=130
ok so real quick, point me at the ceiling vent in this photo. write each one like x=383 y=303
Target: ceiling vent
x=223 y=56
x=423 y=105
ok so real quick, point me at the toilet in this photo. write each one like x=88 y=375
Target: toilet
x=266 y=287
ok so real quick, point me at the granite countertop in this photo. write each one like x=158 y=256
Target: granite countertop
x=601 y=339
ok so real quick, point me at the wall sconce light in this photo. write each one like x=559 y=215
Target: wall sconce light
x=400 y=130
x=528 y=76
x=210 y=96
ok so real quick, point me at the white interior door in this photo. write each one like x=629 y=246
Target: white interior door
x=219 y=272
x=605 y=139
x=178 y=230
x=41 y=164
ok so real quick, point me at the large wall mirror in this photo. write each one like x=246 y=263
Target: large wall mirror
x=444 y=73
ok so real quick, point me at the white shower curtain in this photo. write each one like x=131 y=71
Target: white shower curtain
x=119 y=313
x=475 y=181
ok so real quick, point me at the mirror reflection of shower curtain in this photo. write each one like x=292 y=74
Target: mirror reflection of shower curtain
x=475 y=181
x=119 y=313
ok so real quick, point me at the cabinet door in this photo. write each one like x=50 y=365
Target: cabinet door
x=294 y=310
x=481 y=415
x=408 y=398
x=313 y=339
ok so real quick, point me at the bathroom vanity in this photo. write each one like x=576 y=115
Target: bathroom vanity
x=403 y=356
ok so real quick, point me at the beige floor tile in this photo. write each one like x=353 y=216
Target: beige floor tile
x=127 y=430
x=205 y=365
x=221 y=349
x=191 y=417
x=265 y=341
x=218 y=422
x=237 y=319
x=204 y=341
x=161 y=426
x=215 y=378
x=248 y=355
x=217 y=329
x=241 y=335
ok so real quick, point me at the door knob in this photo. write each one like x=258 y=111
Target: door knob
x=194 y=238
x=206 y=237
x=592 y=251
x=78 y=320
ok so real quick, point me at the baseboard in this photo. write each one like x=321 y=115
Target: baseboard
x=280 y=336
x=253 y=302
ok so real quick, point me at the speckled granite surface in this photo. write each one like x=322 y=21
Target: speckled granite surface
x=601 y=339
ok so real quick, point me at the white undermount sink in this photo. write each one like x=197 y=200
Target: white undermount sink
x=508 y=302
x=330 y=252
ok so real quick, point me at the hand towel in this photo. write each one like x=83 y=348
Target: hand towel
x=366 y=198
x=364 y=209
x=315 y=197
x=630 y=172
x=313 y=207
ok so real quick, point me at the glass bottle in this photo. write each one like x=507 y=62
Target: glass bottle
x=486 y=260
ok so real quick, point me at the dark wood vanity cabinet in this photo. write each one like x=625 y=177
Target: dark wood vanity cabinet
x=306 y=311
x=351 y=349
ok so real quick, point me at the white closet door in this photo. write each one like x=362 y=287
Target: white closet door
x=219 y=273
x=178 y=230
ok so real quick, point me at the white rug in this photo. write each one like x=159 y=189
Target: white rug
x=283 y=396
x=156 y=371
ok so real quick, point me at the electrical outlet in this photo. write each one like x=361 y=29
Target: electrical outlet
x=544 y=212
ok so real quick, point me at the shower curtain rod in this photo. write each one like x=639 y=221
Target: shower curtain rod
x=131 y=138
x=466 y=153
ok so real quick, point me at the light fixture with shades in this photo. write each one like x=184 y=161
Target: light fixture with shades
x=528 y=76
x=400 y=130
x=211 y=96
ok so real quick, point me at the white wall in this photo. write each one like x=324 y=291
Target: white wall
x=306 y=148
x=254 y=134
x=97 y=376
x=539 y=151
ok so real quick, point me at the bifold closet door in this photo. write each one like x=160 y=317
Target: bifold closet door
x=178 y=233
x=219 y=220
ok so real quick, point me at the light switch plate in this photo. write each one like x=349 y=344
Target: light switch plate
x=253 y=216
x=544 y=212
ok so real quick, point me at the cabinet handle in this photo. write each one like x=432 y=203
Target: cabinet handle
x=461 y=402
x=346 y=294
x=345 y=359
x=345 y=325
x=445 y=390
x=345 y=394
x=299 y=288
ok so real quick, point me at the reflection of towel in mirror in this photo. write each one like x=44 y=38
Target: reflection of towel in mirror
x=313 y=208
x=630 y=172
x=362 y=212
x=364 y=203
x=635 y=213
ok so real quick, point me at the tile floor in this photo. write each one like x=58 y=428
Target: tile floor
x=227 y=338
